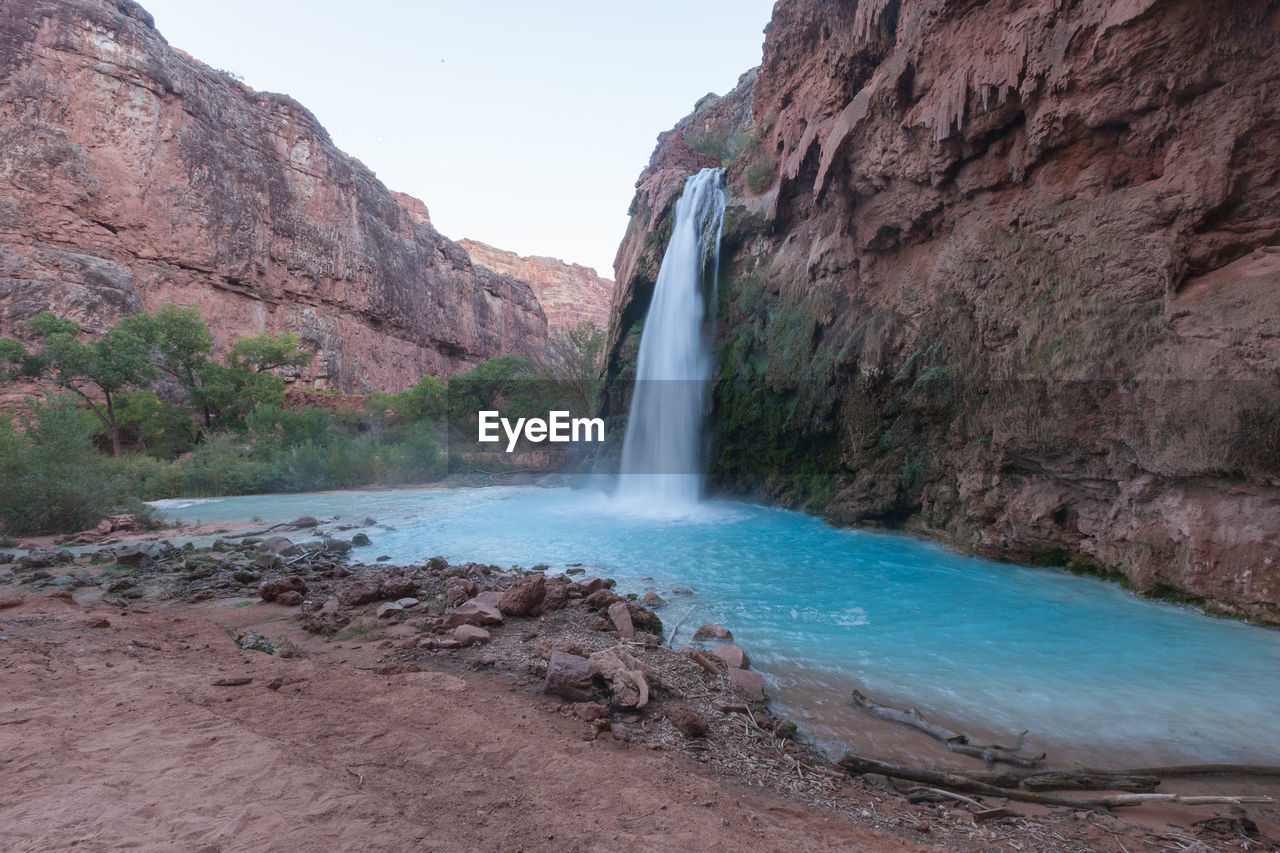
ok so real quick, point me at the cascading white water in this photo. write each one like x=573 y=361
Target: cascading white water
x=662 y=450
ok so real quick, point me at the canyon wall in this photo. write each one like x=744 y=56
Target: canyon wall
x=1006 y=274
x=570 y=294
x=132 y=175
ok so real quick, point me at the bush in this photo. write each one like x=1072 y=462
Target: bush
x=56 y=479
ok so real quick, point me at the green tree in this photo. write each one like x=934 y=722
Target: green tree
x=268 y=352
x=97 y=370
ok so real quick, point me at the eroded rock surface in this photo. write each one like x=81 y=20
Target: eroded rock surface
x=1006 y=274
x=132 y=175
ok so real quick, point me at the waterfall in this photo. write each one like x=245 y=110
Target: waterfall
x=662 y=450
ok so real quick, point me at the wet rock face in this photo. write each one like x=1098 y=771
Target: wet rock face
x=134 y=175
x=1009 y=271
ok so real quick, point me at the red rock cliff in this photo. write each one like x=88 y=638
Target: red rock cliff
x=132 y=175
x=571 y=294
x=1005 y=273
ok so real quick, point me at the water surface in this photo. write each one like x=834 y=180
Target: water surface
x=991 y=647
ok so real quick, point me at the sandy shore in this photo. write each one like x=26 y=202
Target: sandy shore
x=115 y=734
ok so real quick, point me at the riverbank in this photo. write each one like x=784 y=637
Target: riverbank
x=356 y=730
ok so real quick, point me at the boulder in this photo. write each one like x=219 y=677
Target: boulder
x=336 y=546
x=408 y=603
x=569 y=677
x=271 y=590
x=621 y=618
x=592 y=584
x=359 y=592
x=712 y=632
x=731 y=656
x=748 y=684
x=304 y=521
x=360 y=540
x=474 y=612
x=601 y=599
x=551 y=645
x=388 y=609
x=398 y=586
x=643 y=618
x=289 y=598
x=652 y=599
x=557 y=594
x=688 y=721
x=469 y=635
x=280 y=546
x=524 y=596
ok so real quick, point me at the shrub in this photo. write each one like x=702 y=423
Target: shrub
x=56 y=480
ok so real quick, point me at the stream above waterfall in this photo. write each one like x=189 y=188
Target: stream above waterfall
x=1096 y=674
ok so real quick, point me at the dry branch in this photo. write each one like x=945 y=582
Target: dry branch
x=954 y=741
x=856 y=764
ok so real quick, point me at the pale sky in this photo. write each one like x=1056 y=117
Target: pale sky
x=520 y=124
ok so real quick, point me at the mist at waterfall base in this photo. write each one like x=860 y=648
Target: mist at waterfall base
x=663 y=448
x=1097 y=675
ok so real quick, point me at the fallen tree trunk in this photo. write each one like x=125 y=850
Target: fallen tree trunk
x=954 y=741
x=856 y=764
x=1065 y=780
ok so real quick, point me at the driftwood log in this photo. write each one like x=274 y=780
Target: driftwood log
x=954 y=741
x=953 y=781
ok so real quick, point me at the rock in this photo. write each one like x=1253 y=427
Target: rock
x=267 y=562
x=729 y=707
x=357 y=592
x=246 y=576
x=137 y=554
x=570 y=294
x=303 y=522
x=557 y=595
x=648 y=640
x=592 y=583
x=714 y=632
x=688 y=721
x=747 y=683
x=289 y=598
x=602 y=599
x=270 y=590
x=652 y=599
x=469 y=635
x=474 y=612
x=10 y=601
x=398 y=669
x=360 y=540
x=524 y=596
x=590 y=711
x=557 y=644
x=731 y=656
x=408 y=603
x=643 y=618
x=279 y=546
x=388 y=609
x=681 y=590
x=398 y=587
x=620 y=616
x=336 y=546
x=569 y=677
